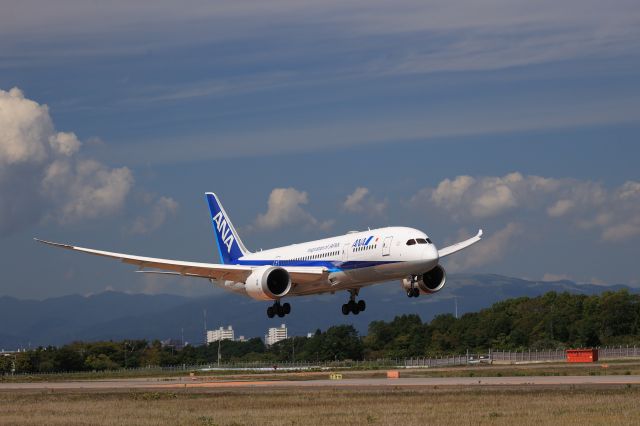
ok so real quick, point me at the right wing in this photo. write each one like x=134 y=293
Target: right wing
x=237 y=273
x=461 y=245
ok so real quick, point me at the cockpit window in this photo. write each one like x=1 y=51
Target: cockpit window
x=411 y=242
x=421 y=241
x=429 y=241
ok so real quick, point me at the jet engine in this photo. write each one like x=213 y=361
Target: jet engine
x=268 y=283
x=429 y=282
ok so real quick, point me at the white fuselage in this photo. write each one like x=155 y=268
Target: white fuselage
x=354 y=260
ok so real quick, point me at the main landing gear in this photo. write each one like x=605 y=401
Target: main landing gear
x=413 y=291
x=352 y=306
x=278 y=309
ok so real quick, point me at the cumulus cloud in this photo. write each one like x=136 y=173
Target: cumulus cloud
x=360 y=201
x=284 y=208
x=490 y=250
x=42 y=175
x=159 y=211
x=615 y=212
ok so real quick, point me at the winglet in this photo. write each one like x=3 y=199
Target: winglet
x=51 y=243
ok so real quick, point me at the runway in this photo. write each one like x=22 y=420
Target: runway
x=182 y=383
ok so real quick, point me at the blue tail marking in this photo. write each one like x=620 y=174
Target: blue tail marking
x=230 y=248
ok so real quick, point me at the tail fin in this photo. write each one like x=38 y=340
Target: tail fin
x=230 y=246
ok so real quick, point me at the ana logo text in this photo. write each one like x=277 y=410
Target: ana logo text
x=362 y=241
x=224 y=231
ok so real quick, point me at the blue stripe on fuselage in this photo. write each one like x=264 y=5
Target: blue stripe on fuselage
x=331 y=265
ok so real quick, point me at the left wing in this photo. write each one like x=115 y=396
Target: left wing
x=238 y=273
x=459 y=246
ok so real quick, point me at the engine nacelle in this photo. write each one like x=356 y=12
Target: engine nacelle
x=429 y=282
x=268 y=283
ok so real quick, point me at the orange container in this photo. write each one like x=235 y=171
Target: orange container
x=582 y=355
x=393 y=374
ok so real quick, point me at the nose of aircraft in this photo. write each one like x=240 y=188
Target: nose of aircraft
x=429 y=255
x=431 y=252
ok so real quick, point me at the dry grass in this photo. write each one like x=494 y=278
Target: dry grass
x=325 y=406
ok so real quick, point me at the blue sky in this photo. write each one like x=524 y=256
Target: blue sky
x=314 y=118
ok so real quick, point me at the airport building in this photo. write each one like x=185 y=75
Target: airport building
x=220 y=334
x=275 y=334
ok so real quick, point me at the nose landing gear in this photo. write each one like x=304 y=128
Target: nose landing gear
x=352 y=306
x=278 y=309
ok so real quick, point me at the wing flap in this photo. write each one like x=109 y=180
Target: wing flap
x=459 y=246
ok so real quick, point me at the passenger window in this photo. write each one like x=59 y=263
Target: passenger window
x=411 y=242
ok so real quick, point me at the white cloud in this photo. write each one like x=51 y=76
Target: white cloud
x=449 y=192
x=489 y=250
x=622 y=231
x=284 y=208
x=85 y=189
x=360 y=200
x=65 y=143
x=159 y=211
x=42 y=175
x=615 y=212
x=25 y=128
x=560 y=208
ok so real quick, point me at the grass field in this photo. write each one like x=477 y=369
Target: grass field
x=326 y=406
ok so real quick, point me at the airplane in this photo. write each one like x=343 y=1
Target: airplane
x=343 y=263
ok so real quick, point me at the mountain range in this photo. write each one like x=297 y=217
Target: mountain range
x=115 y=315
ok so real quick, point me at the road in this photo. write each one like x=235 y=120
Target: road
x=176 y=383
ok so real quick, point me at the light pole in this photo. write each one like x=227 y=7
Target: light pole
x=219 y=355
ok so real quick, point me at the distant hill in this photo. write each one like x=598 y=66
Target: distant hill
x=113 y=315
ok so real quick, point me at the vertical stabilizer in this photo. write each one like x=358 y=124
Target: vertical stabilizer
x=230 y=246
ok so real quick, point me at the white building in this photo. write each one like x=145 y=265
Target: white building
x=275 y=334
x=220 y=334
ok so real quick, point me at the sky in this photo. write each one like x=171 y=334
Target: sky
x=310 y=119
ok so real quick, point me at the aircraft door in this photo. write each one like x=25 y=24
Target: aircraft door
x=345 y=252
x=386 y=246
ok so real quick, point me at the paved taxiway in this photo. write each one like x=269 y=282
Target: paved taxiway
x=175 y=383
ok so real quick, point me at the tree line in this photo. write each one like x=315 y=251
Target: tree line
x=550 y=321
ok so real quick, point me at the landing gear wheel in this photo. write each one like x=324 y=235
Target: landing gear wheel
x=278 y=309
x=353 y=306
x=416 y=292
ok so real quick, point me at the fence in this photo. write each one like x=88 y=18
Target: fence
x=524 y=356
x=558 y=355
